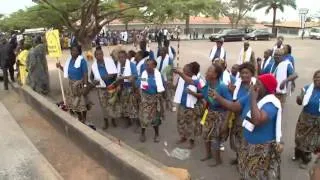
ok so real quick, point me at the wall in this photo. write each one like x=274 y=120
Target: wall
x=200 y=28
x=293 y=32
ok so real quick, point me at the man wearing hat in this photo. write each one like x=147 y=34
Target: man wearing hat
x=218 y=52
x=260 y=112
x=278 y=45
x=247 y=54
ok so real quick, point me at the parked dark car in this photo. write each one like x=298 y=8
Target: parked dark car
x=228 y=35
x=258 y=35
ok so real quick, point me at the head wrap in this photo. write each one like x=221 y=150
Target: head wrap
x=269 y=82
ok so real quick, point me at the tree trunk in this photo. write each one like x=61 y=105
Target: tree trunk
x=86 y=46
x=85 y=42
x=187 y=16
x=237 y=20
x=126 y=26
x=274 y=29
x=86 y=37
x=232 y=22
x=236 y=24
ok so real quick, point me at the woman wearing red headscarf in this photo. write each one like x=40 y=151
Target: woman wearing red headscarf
x=260 y=112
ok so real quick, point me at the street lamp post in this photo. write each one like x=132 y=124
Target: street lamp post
x=303 y=12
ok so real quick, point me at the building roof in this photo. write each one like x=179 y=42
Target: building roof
x=294 y=24
x=193 y=20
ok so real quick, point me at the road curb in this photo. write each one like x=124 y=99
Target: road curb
x=118 y=159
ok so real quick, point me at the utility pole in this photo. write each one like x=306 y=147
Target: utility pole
x=303 y=12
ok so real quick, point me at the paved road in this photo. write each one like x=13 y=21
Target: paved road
x=19 y=157
x=307 y=61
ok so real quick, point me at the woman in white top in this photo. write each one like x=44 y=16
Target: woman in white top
x=104 y=72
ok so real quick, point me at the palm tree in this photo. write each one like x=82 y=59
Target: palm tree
x=274 y=5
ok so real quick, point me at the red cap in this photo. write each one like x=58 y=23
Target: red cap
x=269 y=82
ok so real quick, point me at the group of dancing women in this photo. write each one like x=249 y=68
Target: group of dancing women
x=243 y=105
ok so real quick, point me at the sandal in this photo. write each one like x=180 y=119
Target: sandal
x=143 y=138
x=215 y=164
x=156 y=139
x=206 y=158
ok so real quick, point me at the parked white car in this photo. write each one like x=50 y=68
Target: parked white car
x=315 y=33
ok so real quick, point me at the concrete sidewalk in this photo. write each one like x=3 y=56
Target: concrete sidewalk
x=19 y=157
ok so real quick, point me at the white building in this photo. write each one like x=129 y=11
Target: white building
x=293 y=28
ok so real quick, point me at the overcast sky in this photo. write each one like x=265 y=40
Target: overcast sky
x=9 y=6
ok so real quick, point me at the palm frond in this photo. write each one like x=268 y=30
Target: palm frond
x=281 y=7
x=261 y=6
x=291 y=3
x=268 y=10
x=279 y=4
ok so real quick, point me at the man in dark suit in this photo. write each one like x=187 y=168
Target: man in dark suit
x=4 y=60
x=7 y=59
x=13 y=44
